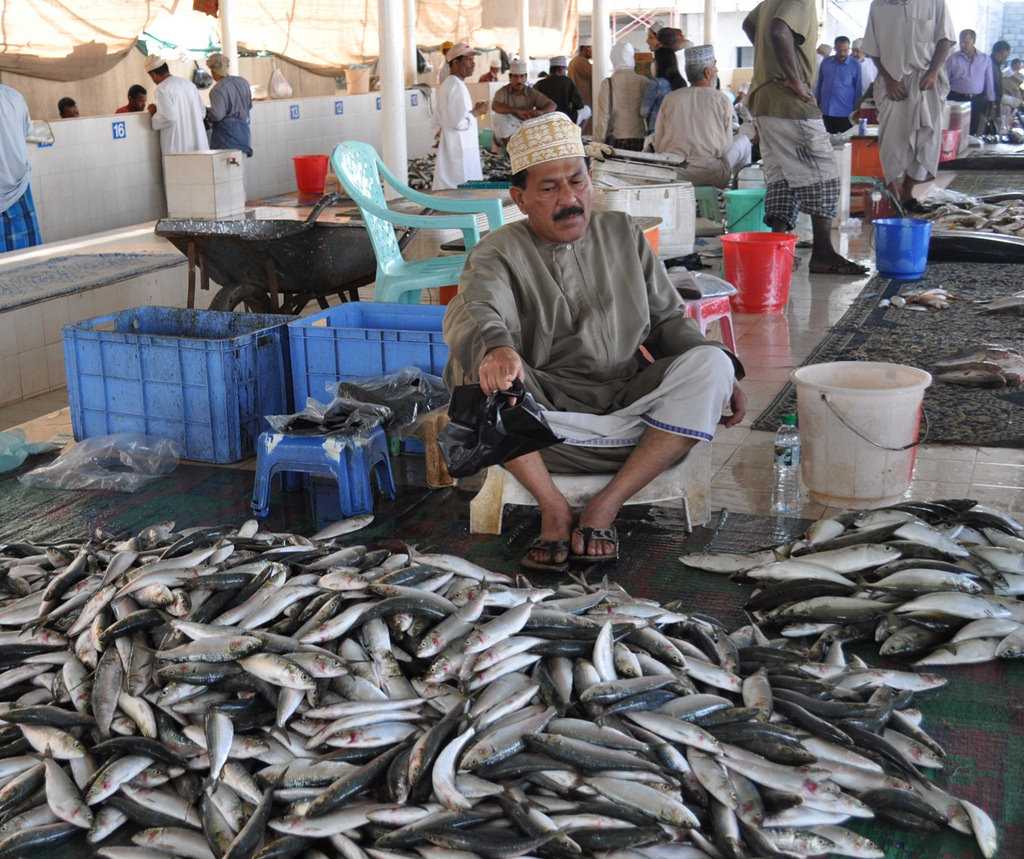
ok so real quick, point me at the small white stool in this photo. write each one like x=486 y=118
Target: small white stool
x=688 y=482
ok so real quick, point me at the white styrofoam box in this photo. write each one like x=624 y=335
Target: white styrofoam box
x=673 y=202
x=199 y=173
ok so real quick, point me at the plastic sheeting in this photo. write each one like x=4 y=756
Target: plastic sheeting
x=64 y=41
x=325 y=35
x=68 y=41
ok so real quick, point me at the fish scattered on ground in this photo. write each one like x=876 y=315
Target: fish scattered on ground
x=1010 y=305
x=239 y=693
x=946 y=593
x=985 y=366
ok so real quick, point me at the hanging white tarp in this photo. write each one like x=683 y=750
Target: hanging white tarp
x=69 y=41
x=73 y=40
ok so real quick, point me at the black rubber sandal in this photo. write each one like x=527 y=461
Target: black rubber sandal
x=554 y=548
x=596 y=535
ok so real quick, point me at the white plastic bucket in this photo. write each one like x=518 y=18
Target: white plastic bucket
x=674 y=202
x=859 y=423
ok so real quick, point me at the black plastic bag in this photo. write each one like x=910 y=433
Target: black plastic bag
x=491 y=430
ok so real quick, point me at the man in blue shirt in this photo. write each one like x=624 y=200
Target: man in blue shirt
x=838 y=87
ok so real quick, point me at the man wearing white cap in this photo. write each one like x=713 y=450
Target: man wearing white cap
x=563 y=301
x=581 y=73
x=558 y=87
x=178 y=113
x=515 y=102
x=868 y=69
x=695 y=123
x=492 y=75
x=458 y=151
x=230 y=108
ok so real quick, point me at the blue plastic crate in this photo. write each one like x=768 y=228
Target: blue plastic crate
x=199 y=377
x=360 y=339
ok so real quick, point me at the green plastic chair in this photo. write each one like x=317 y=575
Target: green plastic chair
x=360 y=170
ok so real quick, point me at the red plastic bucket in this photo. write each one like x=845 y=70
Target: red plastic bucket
x=310 y=173
x=760 y=266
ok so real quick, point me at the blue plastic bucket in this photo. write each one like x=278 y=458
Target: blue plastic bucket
x=901 y=247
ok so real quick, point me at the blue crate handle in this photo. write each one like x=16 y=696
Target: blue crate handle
x=96 y=321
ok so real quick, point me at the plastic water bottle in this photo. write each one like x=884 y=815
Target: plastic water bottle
x=786 y=488
x=862 y=127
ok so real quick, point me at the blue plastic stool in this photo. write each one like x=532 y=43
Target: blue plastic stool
x=330 y=456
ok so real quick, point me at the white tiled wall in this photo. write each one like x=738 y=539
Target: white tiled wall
x=89 y=181
x=94 y=179
x=30 y=337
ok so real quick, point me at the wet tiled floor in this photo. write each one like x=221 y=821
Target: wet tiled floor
x=771 y=347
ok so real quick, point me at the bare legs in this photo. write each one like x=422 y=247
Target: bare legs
x=656 y=452
x=555 y=513
x=824 y=257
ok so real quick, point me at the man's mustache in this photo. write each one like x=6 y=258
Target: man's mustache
x=568 y=212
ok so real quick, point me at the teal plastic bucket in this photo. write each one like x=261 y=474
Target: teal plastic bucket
x=901 y=247
x=744 y=211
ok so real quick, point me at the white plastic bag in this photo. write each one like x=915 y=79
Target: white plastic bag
x=279 y=86
x=122 y=462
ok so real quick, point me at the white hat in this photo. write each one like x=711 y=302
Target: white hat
x=519 y=67
x=154 y=61
x=496 y=63
x=559 y=63
x=697 y=59
x=460 y=49
x=550 y=137
x=586 y=42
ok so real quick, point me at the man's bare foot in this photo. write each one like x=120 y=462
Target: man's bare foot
x=835 y=264
x=599 y=516
x=555 y=527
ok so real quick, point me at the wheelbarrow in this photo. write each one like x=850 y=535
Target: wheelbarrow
x=275 y=265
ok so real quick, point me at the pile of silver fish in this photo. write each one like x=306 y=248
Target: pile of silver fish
x=495 y=167
x=237 y=693
x=989 y=365
x=1005 y=218
x=936 y=581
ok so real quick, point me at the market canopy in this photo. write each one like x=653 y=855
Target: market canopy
x=59 y=40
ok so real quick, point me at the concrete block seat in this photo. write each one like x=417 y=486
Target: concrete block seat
x=687 y=484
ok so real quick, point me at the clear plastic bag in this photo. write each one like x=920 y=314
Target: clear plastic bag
x=409 y=394
x=15 y=449
x=123 y=462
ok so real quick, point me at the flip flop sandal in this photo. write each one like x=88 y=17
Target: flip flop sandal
x=554 y=548
x=847 y=269
x=596 y=535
